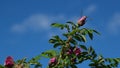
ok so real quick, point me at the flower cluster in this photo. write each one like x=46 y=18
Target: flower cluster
x=72 y=52
x=75 y=51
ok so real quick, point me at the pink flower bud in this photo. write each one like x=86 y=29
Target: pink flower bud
x=53 y=60
x=77 y=51
x=82 y=20
x=9 y=62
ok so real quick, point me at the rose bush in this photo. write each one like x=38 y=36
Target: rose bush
x=70 y=50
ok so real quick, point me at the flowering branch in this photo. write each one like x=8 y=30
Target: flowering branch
x=71 y=51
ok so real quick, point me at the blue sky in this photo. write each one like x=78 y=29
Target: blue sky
x=25 y=30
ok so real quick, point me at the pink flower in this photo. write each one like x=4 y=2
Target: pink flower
x=9 y=62
x=53 y=60
x=82 y=20
x=77 y=51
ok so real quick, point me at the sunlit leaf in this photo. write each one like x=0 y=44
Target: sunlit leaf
x=49 y=53
x=83 y=38
x=83 y=31
x=52 y=41
x=71 y=23
x=58 y=25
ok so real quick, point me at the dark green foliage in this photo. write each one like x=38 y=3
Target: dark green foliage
x=2 y=66
x=74 y=35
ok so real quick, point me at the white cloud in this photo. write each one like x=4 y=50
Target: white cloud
x=38 y=22
x=114 y=24
x=90 y=9
x=41 y=22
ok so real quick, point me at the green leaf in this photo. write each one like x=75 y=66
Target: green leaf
x=90 y=33
x=83 y=38
x=83 y=31
x=77 y=37
x=21 y=61
x=52 y=41
x=118 y=59
x=84 y=53
x=113 y=65
x=90 y=49
x=92 y=52
x=94 y=55
x=56 y=37
x=38 y=66
x=38 y=57
x=80 y=59
x=1 y=66
x=96 y=32
x=73 y=32
x=49 y=53
x=57 y=44
x=92 y=65
x=100 y=60
x=58 y=25
x=43 y=54
x=67 y=27
x=109 y=60
x=65 y=34
x=83 y=47
x=73 y=41
x=71 y=23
